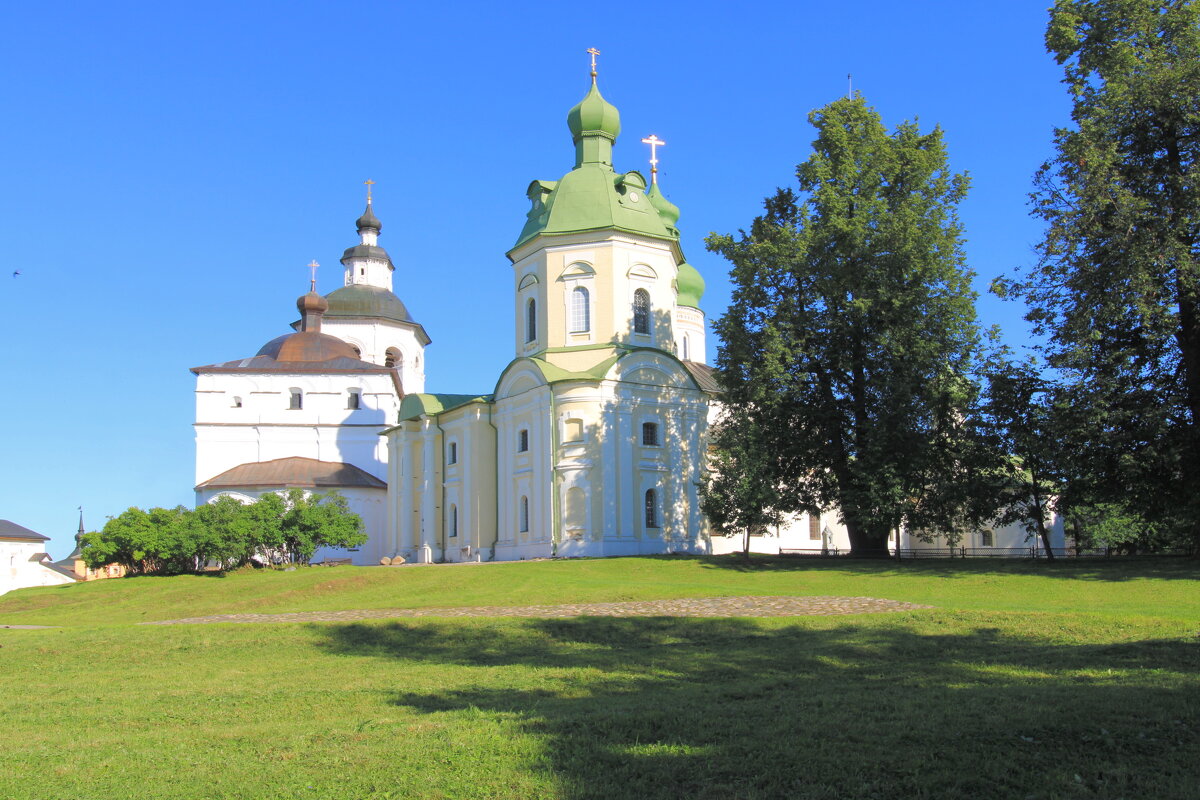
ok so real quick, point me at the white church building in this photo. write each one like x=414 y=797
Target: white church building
x=308 y=408
x=590 y=442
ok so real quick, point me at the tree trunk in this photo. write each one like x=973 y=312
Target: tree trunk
x=867 y=541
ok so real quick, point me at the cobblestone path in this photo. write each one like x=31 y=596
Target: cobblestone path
x=685 y=607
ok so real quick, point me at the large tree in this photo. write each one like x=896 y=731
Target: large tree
x=852 y=329
x=1023 y=416
x=1116 y=290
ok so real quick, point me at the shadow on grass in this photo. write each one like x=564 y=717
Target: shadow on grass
x=1093 y=569
x=731 y=708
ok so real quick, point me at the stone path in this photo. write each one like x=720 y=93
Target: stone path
x=28 y=627
x=686 y=607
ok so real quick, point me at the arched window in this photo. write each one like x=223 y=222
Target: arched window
x=531 y=320
x=297 y=399
x=641 y=311
x=524 y=511
x=354 y=399
x=357 y=352
x=687 y=350
x=452 y=455
x=651 y=508
x=452 y=522
x=393 y=359
x=581 y=311
x=523 y=440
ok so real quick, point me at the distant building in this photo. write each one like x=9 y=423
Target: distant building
x=24 y=561
x=75 y=564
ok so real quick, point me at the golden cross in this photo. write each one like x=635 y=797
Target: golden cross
x=654 y=143
x=369 y=184
x=313 y=266
x=593 y=52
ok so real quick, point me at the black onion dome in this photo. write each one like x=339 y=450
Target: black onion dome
x=369 y=220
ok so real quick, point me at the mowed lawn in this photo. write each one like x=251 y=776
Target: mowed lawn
x=1026 y=681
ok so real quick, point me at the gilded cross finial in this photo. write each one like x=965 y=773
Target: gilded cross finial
x=313 y=266
x=654 y=143
x=593 y=52
x=369 y=184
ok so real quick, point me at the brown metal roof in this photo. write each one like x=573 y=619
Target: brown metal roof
x=11 y=530
x=305 y=473
x=705 y=376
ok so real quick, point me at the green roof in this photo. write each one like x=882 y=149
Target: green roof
x=418 y=405
x=593 y=196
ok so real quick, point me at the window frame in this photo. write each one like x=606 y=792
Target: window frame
x=651 y=515
x=650 y=434
x=641 y=311
x=581 y=310
x=531 y=321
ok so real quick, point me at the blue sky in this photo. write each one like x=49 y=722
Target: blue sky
x=168 y=170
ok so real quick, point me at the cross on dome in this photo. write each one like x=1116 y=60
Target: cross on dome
x=313 y=266
x=654 y=143
x=593 y=52
x=369 y=183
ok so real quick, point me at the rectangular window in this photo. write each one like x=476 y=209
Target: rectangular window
x=650 y=434
x=988 y=538
x=814 y=527
x=297 y=400
x=354 y=400
x=522 y=440
x=452 y=454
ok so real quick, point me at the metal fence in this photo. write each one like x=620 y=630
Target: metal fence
x=1032 y=553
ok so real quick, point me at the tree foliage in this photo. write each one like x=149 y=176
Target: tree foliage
x=847 y=348
x=1116 y=290
x=225 y=534
x=1022 y=416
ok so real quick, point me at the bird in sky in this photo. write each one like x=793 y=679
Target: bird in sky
x=16 y=272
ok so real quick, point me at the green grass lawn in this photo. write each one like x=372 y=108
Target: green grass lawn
x=1027 y=681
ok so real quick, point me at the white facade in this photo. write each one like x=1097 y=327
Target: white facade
x=24 y=562
x=246 y=417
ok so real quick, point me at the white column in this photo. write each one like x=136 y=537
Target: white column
x=627 y=521
x=429 y=489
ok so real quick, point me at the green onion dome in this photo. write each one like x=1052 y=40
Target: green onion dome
x=594 y=115
x=690 y=286
x=666 y=209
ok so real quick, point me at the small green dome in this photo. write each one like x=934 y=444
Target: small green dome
x=666 y=209
x=594 y=114
x=690 y=285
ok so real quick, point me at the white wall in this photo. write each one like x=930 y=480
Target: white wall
x=17 y=571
